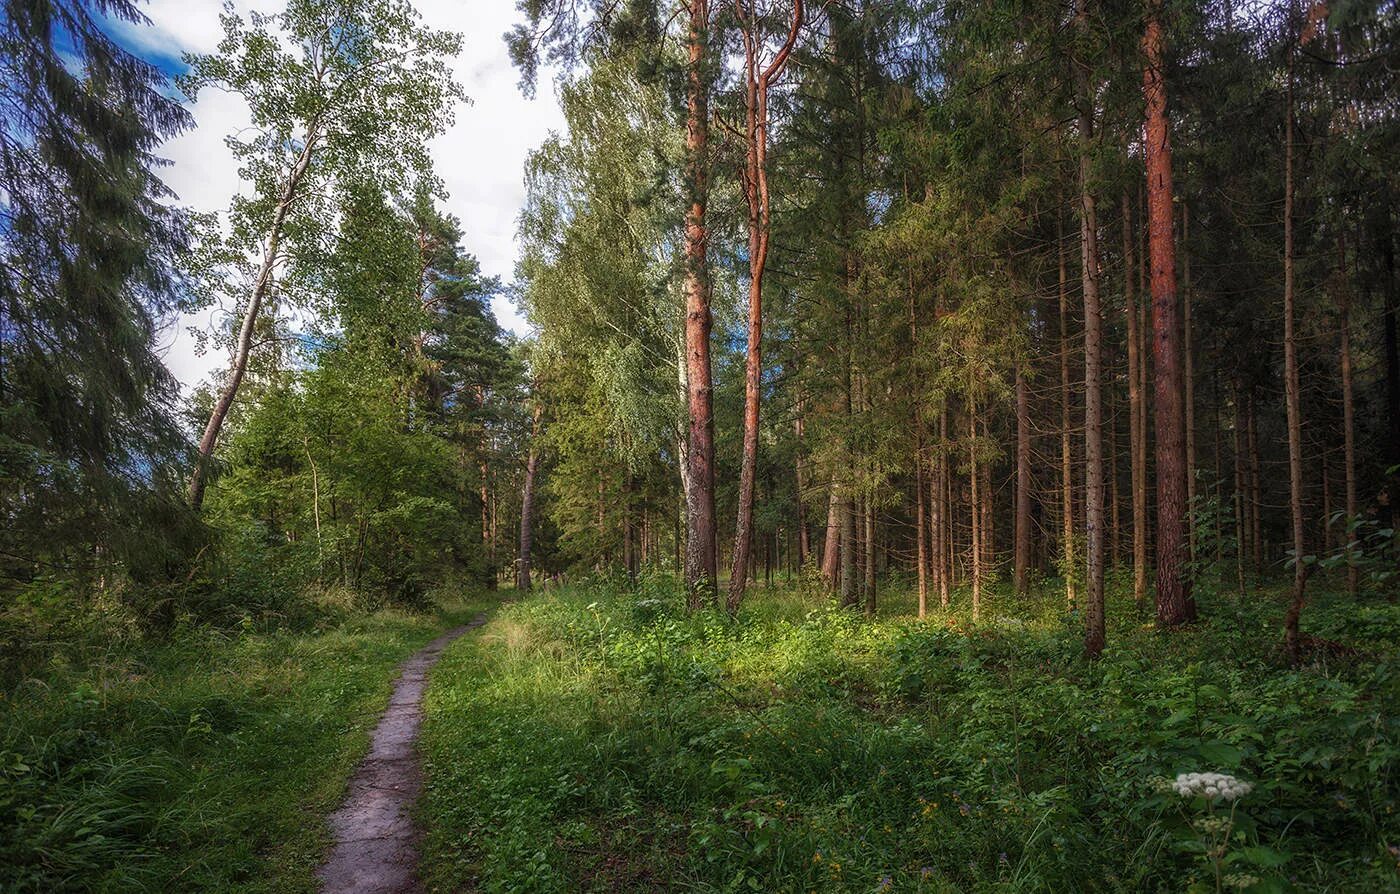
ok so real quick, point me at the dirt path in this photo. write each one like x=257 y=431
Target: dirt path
x=376 y=843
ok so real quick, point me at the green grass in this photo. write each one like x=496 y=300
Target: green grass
x=204 y=761
x=593 y=739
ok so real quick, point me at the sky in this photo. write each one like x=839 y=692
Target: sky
x=480 y=159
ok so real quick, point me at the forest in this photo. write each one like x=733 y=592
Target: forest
x=950 y=446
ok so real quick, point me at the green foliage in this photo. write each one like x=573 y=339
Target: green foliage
x=591 y=740
x=90 y=270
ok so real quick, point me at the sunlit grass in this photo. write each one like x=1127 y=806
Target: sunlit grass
x=600 y=739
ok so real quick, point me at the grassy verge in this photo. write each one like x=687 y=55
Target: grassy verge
x=205 y=762
x=599 y=740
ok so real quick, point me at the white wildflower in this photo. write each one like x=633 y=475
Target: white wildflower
x=1211 y=786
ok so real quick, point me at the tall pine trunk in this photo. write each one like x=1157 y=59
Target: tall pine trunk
x=1292 y=389
x=1093 y=359
x=1066 y=457
x=804 y=542
x=701 y=549
x=1348 y=408
x=1137 y=414
x=1174 y=603
x=974 y=506
x=1021 y=558
x=1189 y=380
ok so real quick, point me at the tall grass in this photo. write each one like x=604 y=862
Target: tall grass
x=202 y=760
x=595 y=738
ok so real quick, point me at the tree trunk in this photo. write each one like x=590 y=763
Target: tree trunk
x=1021 y=559
x=701 y=552
x=920 y=540
x=1174 y=603
x=831 y=550
x=1093 y=359
x=938 y=512
x=1189 y=380
x=1241 y=534
x=629 y=531
x=804 y=543
x=1291 y=389
x=1256 y=493
x=1114 y=531
x=244 y=346
x=1066 y=458
x=757 y=79
x=527 y=503
x=974 y=507
x=870 y=556
x=1137 y=413
x=849 y=596
x=1390 y=337
x=1348 y=411
x=488 y=543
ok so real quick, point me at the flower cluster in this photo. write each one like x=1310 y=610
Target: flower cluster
x=1211 y=786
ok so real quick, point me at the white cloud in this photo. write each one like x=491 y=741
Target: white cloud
x=480 y=159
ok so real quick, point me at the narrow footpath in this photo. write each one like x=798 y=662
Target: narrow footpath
x=376 y=842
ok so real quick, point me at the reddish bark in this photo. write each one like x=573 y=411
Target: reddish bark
x=758 y=78
x=701 y=548
x=1174 y=603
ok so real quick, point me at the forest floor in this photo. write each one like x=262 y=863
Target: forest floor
x=201 y=759
x=597 y=738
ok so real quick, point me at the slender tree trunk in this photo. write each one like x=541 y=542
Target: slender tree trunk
x=243 y=348
x=1022 y=558
x=1115 y=541
x=527 y=502
x=702 y=552
x=1241 y=534
x=757 y=80
x=1390 y=338
x=938 y=502
x=1066 y=456
x=1174 y=603
x=920 y=526
x=974 y=506
x=831 y=551
x=1348 y=410
x=629 y=531
x=1291 y=390
x=1136 y=415
x=1093 y=362
x=870 y=555
x=1189 y=380
x=804 y=543
x=989 y=528
x=1256 y=493
x=488 y=543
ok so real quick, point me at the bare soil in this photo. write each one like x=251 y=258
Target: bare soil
x=376 y=841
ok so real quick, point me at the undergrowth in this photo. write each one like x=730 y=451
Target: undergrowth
x=597 y=738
